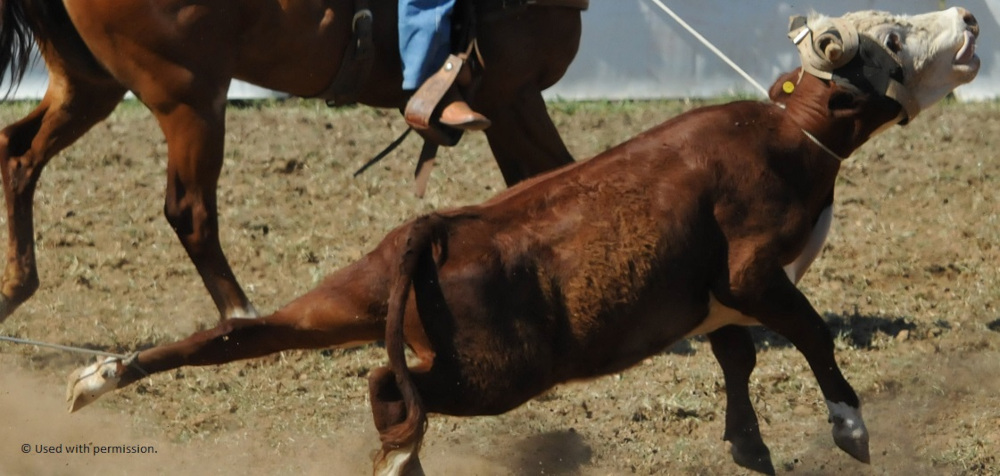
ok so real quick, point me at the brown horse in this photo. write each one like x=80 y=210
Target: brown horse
x=179 y=57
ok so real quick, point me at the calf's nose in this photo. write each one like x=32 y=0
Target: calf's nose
x=970 y=21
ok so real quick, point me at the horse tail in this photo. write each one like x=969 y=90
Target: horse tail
x=16 y=35
x=418 y=240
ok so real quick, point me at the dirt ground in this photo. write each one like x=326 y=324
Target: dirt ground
x=909 y=283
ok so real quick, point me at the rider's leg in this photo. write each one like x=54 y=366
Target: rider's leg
x=424 y=45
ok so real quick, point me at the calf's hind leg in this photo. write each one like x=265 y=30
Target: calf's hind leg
x=734 y=349
x=348 y=308
x=388 y=410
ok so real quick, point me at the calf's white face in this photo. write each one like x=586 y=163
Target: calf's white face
x=936 y=50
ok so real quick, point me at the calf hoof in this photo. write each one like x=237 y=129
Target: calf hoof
x=402 y=461
x=854 y=446
x=849 y=432
x=88 y=383
x=755 y=457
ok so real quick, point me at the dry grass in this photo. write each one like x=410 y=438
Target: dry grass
x=908 y=280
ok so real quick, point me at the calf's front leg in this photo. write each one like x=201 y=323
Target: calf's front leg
x=776 y=303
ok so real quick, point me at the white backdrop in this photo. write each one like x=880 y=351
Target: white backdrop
x=632 y=49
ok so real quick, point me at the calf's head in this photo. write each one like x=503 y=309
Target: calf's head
x=884 y=68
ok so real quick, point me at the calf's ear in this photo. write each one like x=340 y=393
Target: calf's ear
x=785 y=85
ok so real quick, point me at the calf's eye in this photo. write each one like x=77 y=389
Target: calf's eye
x=894 y=42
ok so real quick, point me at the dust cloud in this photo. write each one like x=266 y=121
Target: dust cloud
x=39 y=436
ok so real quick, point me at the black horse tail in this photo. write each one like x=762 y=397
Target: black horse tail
x=47 y=23
x=16 y=35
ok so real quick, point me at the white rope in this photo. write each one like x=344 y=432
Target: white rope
x=67 y=348
x=736 y=67
x=710 y=46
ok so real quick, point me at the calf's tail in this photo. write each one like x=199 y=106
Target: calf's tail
x=418 y=240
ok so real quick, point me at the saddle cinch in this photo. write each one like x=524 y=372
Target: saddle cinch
x=465 y=66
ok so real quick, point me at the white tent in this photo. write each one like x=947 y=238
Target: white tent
x=632 y=49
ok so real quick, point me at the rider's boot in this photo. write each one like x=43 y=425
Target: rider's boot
x=455 y=112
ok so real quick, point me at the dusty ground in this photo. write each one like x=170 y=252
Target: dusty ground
x=909 y=282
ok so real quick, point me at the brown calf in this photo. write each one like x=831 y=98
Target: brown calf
x=697 y=226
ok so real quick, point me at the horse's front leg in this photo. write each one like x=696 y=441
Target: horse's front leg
x=70 y=108
x=195 y=135
x=523 y=138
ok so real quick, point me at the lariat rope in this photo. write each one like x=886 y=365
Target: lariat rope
x=128 y=360
x=736 y=67
x=710 y=46
x=68 y=348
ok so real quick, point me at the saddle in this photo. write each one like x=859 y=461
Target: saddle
x=462 y=67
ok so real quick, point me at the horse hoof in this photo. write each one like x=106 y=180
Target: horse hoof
x=88 y=383
x=7 y=307
x=753 y=457
x=248 y=312
x=849 y=432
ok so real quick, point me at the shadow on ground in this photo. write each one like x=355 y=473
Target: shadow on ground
x=561 y=452
x=859 y=331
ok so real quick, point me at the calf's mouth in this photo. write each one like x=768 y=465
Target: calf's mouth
x=967 y=52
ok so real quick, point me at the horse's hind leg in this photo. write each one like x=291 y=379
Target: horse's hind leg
x=69 y=109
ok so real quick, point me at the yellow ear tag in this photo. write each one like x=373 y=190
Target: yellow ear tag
x=788 y=87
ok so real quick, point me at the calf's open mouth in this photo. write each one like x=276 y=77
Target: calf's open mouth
x=967 y=52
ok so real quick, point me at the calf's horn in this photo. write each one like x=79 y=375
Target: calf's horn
x=824 y=47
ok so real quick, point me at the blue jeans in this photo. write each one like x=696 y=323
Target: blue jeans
x=424 y=38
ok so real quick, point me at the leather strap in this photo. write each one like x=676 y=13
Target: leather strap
x=420 y=107
x=900 y=94
x=428 y=154
x=357 y=61
x=580 y=4
x=815 y=62
x=492 y=9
